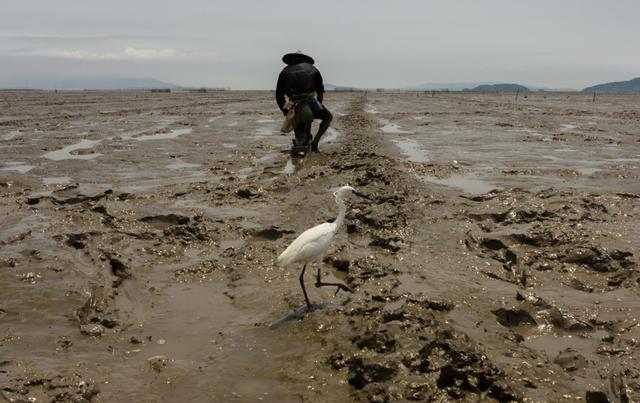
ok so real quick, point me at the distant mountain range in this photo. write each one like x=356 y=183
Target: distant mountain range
x=445 y=86
x=478 y=86
x=618 y=86
x=119 y=83
x=500 y=88
x=88 y=83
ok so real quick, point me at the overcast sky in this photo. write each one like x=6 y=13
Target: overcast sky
x=371 y=43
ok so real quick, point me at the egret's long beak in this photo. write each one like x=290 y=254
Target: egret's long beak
x=364 y=196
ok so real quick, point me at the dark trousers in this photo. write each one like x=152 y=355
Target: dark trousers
x=303 y=132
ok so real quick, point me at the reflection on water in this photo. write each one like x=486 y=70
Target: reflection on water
x=392 y=128
x=565 y=127
x=11 y=135
x=293 y=164
x=371 y=109
x=182 y=165
x=164 y=136
x=412 y=149
x=331 y=135
x=587 y=170
x=264 y=131
x=57 y=180
x=467 y=184
x=552 y=344
x=65 y=153
x=289 y=168
x=19 y=167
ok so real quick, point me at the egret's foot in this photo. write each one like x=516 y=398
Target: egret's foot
x=339 y=286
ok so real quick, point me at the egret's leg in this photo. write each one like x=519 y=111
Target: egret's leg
x=339 y=285
x=304 y=291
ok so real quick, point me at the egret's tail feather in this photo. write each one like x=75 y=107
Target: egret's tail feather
x=285 y=258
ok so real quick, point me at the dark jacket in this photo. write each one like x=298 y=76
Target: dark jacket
x=300 y=78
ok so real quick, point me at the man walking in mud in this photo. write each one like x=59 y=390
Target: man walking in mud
x=302 y=85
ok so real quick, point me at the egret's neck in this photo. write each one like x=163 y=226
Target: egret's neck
x=342 y=210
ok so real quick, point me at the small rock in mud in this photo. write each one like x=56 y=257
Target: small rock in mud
x=63 y=343
x=376 y=393
x=187 y=232
x=337 y=361
x=431 y=303
x=418 y=391
x=158 y=362
x=135 y=340
x=579 y=285
x=246 y=193
x=570 y=360
x=92 y=329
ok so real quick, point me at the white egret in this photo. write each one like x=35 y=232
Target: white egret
x=312 y=245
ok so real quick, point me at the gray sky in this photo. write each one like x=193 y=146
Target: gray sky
x=373 y=43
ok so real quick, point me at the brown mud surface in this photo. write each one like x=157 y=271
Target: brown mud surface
x=497 y=260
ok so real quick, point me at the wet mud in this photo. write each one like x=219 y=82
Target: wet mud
x=497 y=259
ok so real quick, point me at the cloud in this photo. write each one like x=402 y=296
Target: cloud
x=126 y=54
x=150 y=54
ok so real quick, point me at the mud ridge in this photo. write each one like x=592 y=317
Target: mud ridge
x=400 y=347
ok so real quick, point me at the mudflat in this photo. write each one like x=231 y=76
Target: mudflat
x=497 y=260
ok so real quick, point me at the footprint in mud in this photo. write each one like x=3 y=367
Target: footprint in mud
x=497 y=250
x=165 y=220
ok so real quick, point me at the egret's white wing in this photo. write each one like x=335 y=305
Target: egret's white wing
x=308 y=246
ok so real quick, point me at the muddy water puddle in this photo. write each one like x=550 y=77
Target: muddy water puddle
x=412 y=149
x=11 y=135
x=393 y=128
x=182 y=165
x=67 y=153
x=467 y=184
x=56 y=180
x=330 y=136
x=172 y=134
x=552 y=345
x=16 y=166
